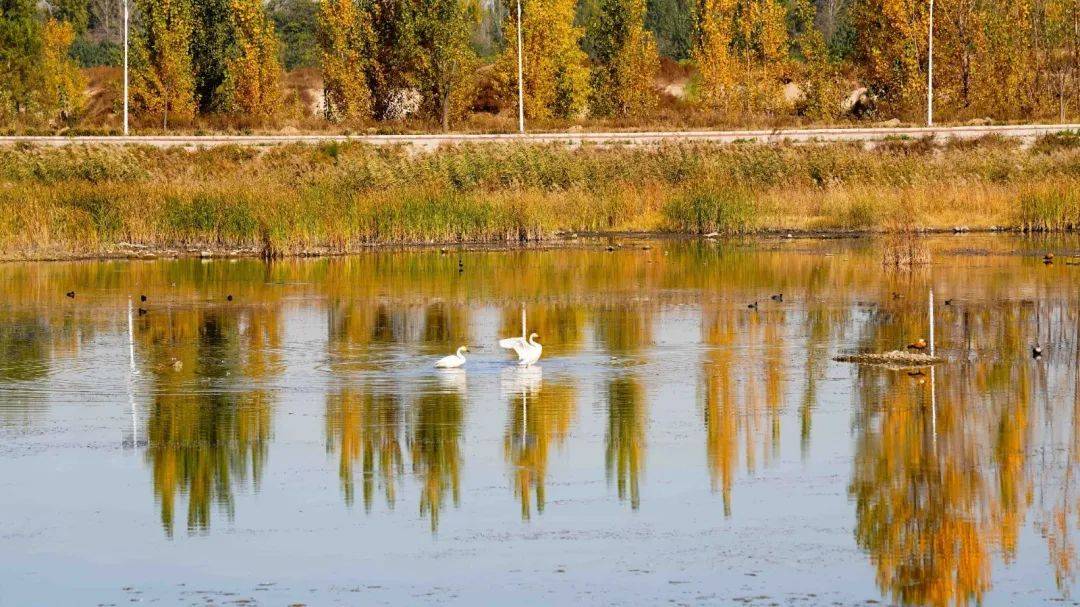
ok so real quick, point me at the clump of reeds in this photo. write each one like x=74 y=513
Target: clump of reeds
x=711 y=209
x=1049 y=208
x=904 y=250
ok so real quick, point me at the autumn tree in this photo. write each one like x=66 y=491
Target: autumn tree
x=60 y=88
x=821 y=81
x=39 y=83
x=761 y=43
x=555 y=68
x=74 y=12
x=1010 y=66
x=741 y=47
x=960 y=44
x=162 y=82
x=20 y=47
x=211 y=45
x=396 y=56
x=345 y=39
x=672 y=22
x=1058 y=42
x=252 y=83
x=891 y=50
x=626 y=60
x=447 y=62
x=716 y=62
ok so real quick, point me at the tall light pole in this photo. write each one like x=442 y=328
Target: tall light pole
x=521 y=80
x=125 y=67
x=930 y=72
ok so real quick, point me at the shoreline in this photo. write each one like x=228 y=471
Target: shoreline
x=334 y=199
x=602 y=241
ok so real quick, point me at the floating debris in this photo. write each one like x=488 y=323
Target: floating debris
x=895 y=358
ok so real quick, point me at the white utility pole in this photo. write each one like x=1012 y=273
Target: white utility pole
x=125 y=67
x=930 y=72
x=521 y=80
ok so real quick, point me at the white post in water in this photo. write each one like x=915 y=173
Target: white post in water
x=126 y=69
x=931 y=312
x=131 y=377
x=131 y=337
x=930 y=72
x=521 y=81
x=933 y=376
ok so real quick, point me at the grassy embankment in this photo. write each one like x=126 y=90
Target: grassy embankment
x=338 y=198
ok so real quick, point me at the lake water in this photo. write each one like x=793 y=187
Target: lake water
x=295 y=445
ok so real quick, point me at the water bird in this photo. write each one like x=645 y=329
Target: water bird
x=528 y=351
x=228 y=297
x=143 y=311
x=453 y=361
x=948 y=302
x=778 y=297
x=460 y=266
x=71 y=294
x=1036 y=351
x=896 y=295
x=142 y=298
x=918 y=344
x=1048 y=258
x=752 y=306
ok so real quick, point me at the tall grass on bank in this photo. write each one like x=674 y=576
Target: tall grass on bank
x=341 y=197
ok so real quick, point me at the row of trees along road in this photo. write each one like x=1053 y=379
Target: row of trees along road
x=380 y=59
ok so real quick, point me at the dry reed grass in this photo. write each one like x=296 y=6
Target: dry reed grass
x=342 y=197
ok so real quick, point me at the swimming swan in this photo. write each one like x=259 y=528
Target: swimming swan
x=454 y=360
x=528 y=351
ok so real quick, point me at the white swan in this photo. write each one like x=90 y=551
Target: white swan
x=454 y=360
x=528 y=351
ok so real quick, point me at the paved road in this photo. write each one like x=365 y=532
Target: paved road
x=1026 y=133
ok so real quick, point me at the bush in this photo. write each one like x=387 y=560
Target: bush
x=94 y=53
x=709 y=208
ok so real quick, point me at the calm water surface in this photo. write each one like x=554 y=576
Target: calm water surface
x=295 y=445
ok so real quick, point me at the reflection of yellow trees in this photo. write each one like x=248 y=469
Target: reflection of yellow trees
x=538 y=419
x=435 y=448
x=750 y=346
x=366 y=428
x=721 y=409
x=926 y=510
x=623 y=328
x=355 y=326
x=625 y=440
x=560 y=326
x=205 y=430
x=201 y=446
x=918 y=506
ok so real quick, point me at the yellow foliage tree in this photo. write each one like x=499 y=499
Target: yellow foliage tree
x=555 y=69
x=345 y=37
x=712 y=53
x=253 y=73
x=741 y=45
x=163 y=83
x=60 y=95
x=891 y=49
x=761 y=42
x=626 y=60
